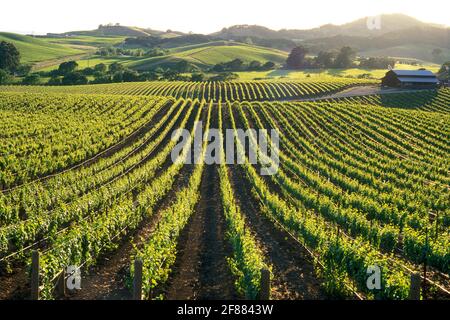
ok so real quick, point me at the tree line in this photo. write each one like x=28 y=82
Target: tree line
x=340 y=59
x=239 y=65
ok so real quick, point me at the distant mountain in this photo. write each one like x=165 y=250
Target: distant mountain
x=415 y=42
x=398 y=36
x=388 y=23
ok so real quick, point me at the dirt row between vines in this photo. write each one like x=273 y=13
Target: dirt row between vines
x=201 y=270
x=293 y=271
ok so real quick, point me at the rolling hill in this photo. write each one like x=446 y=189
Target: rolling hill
x=92 y=41
x=107 y=30
x=34 y=50
x=212 y=53
x=119 y=31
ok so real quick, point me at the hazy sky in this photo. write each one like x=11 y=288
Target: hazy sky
x=204 y=16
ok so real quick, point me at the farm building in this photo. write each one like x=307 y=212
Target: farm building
x=410 y=79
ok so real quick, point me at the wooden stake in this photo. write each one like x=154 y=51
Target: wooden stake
x=264 y=293
x=61 y=285
x=425 y=263
x=137 y=280
x=437 y=226
x=35 y=275
x=414 y=289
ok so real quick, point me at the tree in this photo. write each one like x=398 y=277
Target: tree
x=445 y=67
x=9 y=57
x=4 y=77
x=269 y=65
x=23 y=70
x=377 y=63
x=67 y=67
x=220 y=67
x=296 y=58
x=227 y=76
x=31 y=79
x=116 y=67
x=117 y=77
x=197 y=77
x=345 y=58
x=101 y=68
x=88 y=71
x=444 y=72
x=130 y=76
x=236 y=64
x=182 y=66
x=74 y=78
x=254 y=65
x=170 y=74
x=149 y=76
x=54 y=81
x=102 y=78
x=325 y=59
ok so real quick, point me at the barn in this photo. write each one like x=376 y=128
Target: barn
x=410 y=79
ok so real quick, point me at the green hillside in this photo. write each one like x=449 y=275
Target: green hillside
x=35 y=50
x=85 y=40
x=212 y=53
x=421 y=52
x=111 y=30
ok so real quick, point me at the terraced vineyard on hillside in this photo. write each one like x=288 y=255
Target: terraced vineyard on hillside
x=88 y=179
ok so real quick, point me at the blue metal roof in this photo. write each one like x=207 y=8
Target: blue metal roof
x=418 y=80
x=414 y=73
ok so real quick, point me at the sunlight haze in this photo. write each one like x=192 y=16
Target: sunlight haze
x=202 y=16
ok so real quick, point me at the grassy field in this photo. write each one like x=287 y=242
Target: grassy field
x=85 y=41
x=328 y=73
x=94 y=60
x=34 y=50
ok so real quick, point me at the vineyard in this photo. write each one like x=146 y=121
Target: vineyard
x=215 y=91
x=87 y=180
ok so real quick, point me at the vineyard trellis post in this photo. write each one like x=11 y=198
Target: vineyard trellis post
x=264 y=293
x=437 y=227
x=414 y=289
x=61 y=284
x=424 y=282
x=137 y=279
x=35 y=275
